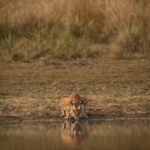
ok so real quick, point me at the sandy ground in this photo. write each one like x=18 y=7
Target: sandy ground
x=118 y=88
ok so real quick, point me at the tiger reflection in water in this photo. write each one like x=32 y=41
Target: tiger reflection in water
x=74 y=133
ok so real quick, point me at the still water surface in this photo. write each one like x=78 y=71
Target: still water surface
x=92 y=135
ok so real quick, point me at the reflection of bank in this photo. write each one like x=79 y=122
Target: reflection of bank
x=74 y=132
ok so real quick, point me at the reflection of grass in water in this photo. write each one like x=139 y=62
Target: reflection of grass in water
x=2 y=120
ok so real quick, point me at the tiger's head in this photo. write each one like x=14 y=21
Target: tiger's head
x=74 y=106
x=77 y=105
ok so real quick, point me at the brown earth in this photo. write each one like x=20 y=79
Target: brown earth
x=118 y=88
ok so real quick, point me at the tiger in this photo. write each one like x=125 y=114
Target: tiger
x=74 y=133
x=74 y=106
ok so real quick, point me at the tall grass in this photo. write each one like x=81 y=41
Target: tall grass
x=65 y=29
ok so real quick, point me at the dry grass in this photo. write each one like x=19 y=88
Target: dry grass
x=117 y=87
x=30 y=29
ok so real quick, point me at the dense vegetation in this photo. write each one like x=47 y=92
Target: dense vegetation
x=66 y=29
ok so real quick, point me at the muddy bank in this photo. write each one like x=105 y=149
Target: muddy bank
x=16 y=120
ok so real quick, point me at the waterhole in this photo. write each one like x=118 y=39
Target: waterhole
x=77 y=135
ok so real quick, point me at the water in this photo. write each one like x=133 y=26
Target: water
x=92 y=135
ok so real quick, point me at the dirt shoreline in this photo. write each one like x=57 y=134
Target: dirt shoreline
x=116 y=87
x=14 y=120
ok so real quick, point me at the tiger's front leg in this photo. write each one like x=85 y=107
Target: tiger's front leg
x=67 y=115
x=83 y=113
x=63 y=113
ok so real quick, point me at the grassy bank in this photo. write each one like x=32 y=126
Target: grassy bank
x=66 y=29
x=116 y=87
